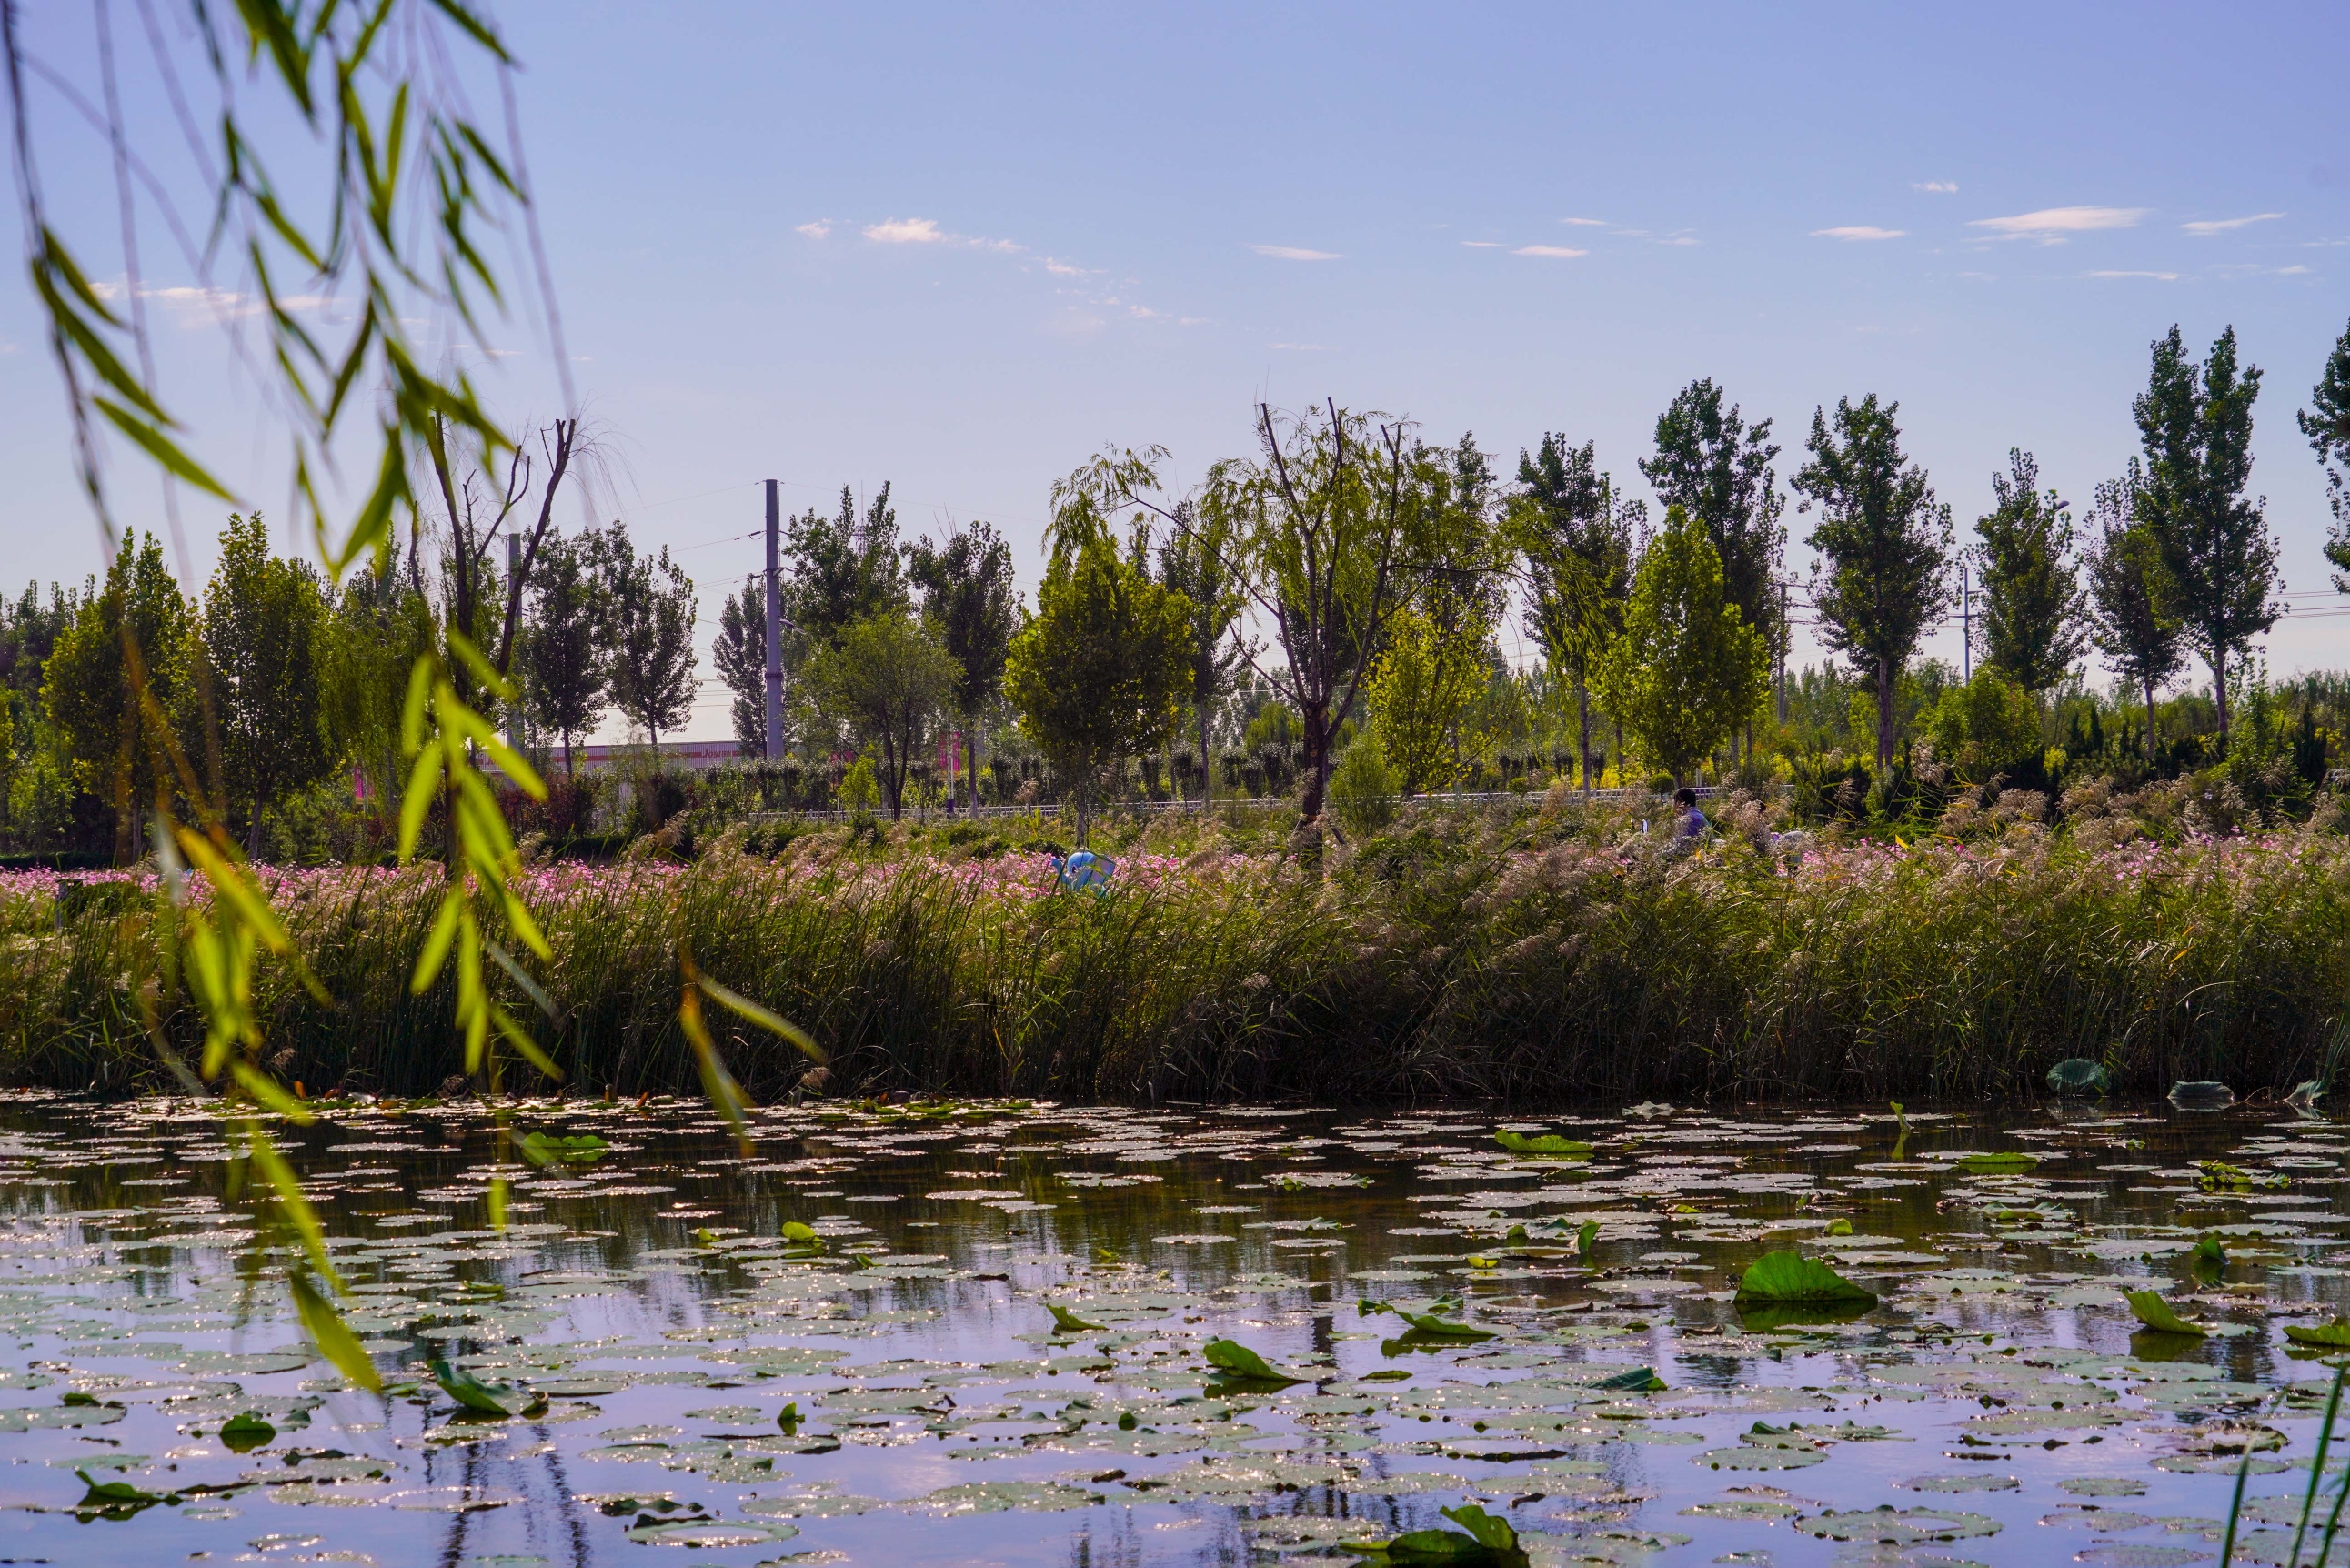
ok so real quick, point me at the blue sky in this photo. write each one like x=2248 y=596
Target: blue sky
x=961 y=249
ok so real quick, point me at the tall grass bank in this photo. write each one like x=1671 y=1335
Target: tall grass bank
x=1442 y=959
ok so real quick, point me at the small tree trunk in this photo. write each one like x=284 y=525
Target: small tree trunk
x=1583 y=740
x=1884 y=714
x=1207 y=773
x=2150 y=760
x=2219 y=694
x=253 y=832
x=1317 y=766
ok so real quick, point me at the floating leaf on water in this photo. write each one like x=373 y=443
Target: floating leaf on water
x=579 y=1148
x=2078 y=1075
x=1790 y=1279
x=1238 y=1361
x=1890 y=1526
x=1549 y=1146
x=1484 y=1540
x=1639 y=1380
x=2334 y=1335
x=1067 y=1321
x=242 y=1434
x=118 y=1500
x=484 y=1398
x=1839 y=1227
x=2150 y=1309
x=2000 y=1163
x=2201 y=1095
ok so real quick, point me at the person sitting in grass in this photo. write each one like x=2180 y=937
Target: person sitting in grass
x=1689 y=825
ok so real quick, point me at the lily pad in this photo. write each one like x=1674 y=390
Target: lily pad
x=2078 y=1075
x=1550 y=1145
x=1790 y=1279
x=2150 y=1309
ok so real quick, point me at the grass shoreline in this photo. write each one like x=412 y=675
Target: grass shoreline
x=1444 y=959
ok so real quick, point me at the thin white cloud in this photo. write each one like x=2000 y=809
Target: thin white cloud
x=1857 y=232
x=816 y=230
x=1293 y=253
x=2050 y=225
x=2294 y=271
x=926 y=232
x=2221 y=225
x=904 y=232
x=1938 y=187
x=1483 y=244
x=1303 y=348
x=1062 y=269
x=2157 y=277
x=1585 y=222
x=1558 y=251
x=1679 y=240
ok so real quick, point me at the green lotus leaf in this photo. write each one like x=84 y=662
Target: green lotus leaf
x=1789 y=1279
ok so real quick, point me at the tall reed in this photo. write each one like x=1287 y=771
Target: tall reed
x=1438 y=960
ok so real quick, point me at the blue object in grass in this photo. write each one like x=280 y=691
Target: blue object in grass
x=1086 y=871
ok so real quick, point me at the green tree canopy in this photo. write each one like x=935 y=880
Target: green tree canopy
x=887 y=684
x=2131 y=618
x=1717 y=469
x=567 y=679
x=844 y=568
x=1577 y=541
x=262 y=639
x=1687 y=670
x=2031 y=630
x=1425 y=677
x=2326 y=423
x=1983 y=724
x=738 y=653
x=2196 y=423
x=1099 y=674
x=1884 y=545
x=116 y=729
x=649 y=636
x=967 y=594
x=1197 y=561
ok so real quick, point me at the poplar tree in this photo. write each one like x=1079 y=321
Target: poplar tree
x=1687 y=670
x=2130 y=616
x=2326 y=423
x=1884 y=543
x=1575 y=539
x=738 y=653
x=2196 y=423
x=2032 y=629
x=567 y=679
x=650 y=637
x=262 y=641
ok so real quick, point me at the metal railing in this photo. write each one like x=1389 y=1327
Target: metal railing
x=1049 y=810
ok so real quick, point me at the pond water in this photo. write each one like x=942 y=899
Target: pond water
x=688 y=1376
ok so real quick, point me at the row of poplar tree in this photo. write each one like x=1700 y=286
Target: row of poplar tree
x=1359 y=573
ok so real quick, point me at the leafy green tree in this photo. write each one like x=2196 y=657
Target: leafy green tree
x=2326 y=423
x=1576 y=541
x=1984 y=723
x=2196 y=423
x=740 y=654
x=1423 y=681
x=1717 y=469
x=2131 y=620
x=1687 y=670
x=843 y=569
x=114 y=681
x=1098 y=673
x=1884 y=546
x=1196 y=560
x=383 y=623
x=649 y=638
x=967 y=594
x=567 y=679
x=262 y=640
x=2031 y=630
x=886 y=682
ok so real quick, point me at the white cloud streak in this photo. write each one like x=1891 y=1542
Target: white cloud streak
x=816 y=230
x=2221 y=225
x=2157 y=277
x=1857 y=232
x=1938 y=187
x=1295 y=252
x=2051 y=225
x=1557 y=252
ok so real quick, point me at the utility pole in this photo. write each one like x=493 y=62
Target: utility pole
x=1965 y=624
x=1786 y=634
x=514 y=704
x=775 y=629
